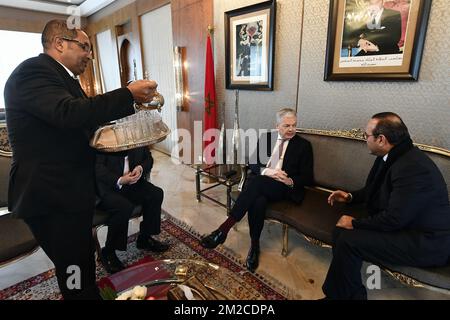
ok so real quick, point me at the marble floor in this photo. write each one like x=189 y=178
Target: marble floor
x=302 y=271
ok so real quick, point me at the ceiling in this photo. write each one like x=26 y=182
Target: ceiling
x=84 y=7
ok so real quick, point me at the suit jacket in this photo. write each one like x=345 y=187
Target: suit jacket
x=408 y=193
x=387 y=37
x=297 y=162
x=109 y=168
x=50 y=121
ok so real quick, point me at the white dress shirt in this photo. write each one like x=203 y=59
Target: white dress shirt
x=279 y=164
x=126 y=169
x=68 y=71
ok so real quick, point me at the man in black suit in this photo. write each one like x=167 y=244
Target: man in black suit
x=122 y=184
x=409 y=214
x=288 y=171
x=382 y=31
x=50 y=121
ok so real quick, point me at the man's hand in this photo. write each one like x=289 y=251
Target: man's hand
x=143 y=90
x=131 y=177
x=339 y=196
x=286 y=180
x=136 y=174
x=278 y=175
x=345 y=222
x=367 y=46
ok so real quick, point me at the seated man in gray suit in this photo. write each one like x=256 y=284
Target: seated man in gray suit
x=284 y=176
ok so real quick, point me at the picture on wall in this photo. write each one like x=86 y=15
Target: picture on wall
x=375 y=39
x=249 y=42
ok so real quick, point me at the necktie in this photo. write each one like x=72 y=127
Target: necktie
x=277 y=154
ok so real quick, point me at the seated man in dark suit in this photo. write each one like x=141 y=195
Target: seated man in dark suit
x=289 y=169
x=122 y=184
x=409 y=214
x=382 y=32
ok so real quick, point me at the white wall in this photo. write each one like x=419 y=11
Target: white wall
x=157 y=46
x=108 y=61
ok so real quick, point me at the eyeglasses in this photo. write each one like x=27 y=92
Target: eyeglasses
x=85 y=47
x=366 y=136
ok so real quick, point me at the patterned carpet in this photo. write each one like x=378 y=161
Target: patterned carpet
x=184 y=245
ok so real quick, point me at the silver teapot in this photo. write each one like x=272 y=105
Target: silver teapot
x=156 y=103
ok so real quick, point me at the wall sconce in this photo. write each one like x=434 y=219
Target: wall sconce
x=179 y=54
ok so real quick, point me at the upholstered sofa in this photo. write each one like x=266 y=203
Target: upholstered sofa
x=342 y=161
x=16 y=240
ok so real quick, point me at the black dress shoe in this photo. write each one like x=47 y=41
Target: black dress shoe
x=252 y=259
x=151 y=244
x=213 y=239
x=111 y=262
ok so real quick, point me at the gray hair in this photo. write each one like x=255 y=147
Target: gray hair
x=285 y=112
x=56 y=28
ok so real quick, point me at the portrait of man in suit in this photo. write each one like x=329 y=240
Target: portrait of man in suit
x=372 y=29
x=122 y=183
x=50 y=122
x=288 y=170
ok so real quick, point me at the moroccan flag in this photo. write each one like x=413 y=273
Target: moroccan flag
x=210 y=121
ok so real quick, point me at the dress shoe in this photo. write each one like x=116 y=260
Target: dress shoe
x=252 y=259
x=151 y=244
x=213 y=239
x=110 y=261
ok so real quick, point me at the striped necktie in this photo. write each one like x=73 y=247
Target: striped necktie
x=277 y=154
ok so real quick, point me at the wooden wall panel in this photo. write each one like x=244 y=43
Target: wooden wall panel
x=190 y=20
x=144 y=6
x=14 y=19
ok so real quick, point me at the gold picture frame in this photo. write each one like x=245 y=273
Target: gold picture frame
x=375 y=39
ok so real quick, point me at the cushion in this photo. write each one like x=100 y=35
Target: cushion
x=101 y=217
x=16 y=238
x=5 y=165
x=331 y=153
x=314 y=217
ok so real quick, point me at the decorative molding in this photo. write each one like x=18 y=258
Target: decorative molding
x=5 y=147
x=404 y=279
x=408 y=281
x=315 y=241
x=358 y=134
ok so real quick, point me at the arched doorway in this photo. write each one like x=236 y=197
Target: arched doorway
x=127 y=62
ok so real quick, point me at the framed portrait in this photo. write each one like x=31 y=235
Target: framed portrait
x=249 y=45
x=375 y=39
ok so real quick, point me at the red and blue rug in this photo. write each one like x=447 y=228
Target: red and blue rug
x=184 y=244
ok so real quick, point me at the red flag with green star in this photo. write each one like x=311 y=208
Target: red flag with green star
x=210 y=120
